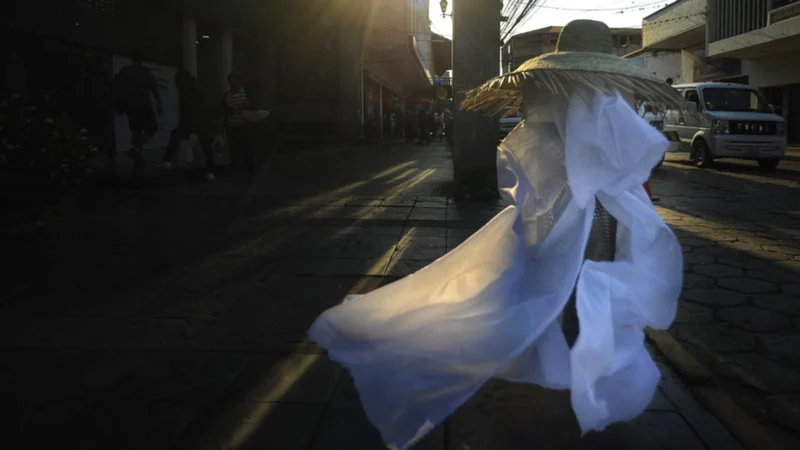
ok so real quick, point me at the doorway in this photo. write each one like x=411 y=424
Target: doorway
x=793 y=114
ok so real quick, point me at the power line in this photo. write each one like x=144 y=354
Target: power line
x=526 y=10
x=665 y=3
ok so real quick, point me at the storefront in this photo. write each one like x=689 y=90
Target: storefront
x=372 y=108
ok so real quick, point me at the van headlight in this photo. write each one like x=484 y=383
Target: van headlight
x=780 y=128
x=721 y=126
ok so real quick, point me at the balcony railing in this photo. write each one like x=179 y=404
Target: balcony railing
x=729 y=18
x=735 y=17
x=783 y=10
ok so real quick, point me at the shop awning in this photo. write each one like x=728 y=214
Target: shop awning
x=677 y=41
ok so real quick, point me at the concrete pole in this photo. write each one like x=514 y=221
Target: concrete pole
x=225 y=57
x=476 y=58
x=352 y=23
x=380 y=108
x=189 y=43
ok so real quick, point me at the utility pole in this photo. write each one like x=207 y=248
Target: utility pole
x=476 y=58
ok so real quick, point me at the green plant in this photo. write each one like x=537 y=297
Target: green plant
x=43 y=157
x=40 y=148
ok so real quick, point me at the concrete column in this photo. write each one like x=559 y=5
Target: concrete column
x=712 y=22
x=225 y=57
x=352 y=19
x=380 y=109
x=189 y=43
x=687 y=67
x=476 y=58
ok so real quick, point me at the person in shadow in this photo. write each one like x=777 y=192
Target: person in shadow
x=195 y=118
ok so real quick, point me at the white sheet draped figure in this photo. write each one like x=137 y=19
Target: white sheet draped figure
x=420 y=347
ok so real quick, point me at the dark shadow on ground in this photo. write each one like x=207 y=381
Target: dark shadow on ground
x=125 y=323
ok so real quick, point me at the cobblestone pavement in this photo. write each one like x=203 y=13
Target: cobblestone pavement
x=175 y=318
x=740 y=314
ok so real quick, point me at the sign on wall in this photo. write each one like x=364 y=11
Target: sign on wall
x=167 y=121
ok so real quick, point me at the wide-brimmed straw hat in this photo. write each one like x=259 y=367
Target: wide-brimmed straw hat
x=584 y=57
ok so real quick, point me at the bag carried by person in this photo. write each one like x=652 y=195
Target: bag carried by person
x=187 y=150
x=219 y=147
x=255 y=115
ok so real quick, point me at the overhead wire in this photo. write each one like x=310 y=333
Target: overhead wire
x=515 y=21
x=612 y=9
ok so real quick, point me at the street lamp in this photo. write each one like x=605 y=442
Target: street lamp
x=443 y=5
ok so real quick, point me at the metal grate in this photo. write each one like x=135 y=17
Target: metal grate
x=601 y=247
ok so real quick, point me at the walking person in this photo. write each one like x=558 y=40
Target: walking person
x=411 y=126
x=136 y=87
x=98 y=102
x=424 y=126
x=237 y=127
x=448 y=126
x=195 y=118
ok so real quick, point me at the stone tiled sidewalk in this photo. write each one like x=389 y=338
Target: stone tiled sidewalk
x=740 y=312
x=175 y=318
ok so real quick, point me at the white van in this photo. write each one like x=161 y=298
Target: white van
x=727 y=120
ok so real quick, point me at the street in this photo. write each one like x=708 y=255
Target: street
x=174 y=316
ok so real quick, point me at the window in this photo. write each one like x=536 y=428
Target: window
x=693 y=97
x=735 y=99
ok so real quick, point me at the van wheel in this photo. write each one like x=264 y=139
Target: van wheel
x=768 y=164
x=701 y=155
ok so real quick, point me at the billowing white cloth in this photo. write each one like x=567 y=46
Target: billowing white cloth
x=420 y=347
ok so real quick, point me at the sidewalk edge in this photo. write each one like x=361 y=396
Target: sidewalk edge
x=700 y=381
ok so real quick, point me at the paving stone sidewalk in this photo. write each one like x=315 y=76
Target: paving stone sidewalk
x=176 y=318
x=740 y=312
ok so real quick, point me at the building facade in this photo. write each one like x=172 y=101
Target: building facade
x=764 y=35
x=680 y=29
x=663 y=64
x=304 y=60
x=525 y=46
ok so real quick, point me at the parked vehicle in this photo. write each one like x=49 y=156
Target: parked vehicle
x=508 y=122
x=654 y=114
x=727 y=120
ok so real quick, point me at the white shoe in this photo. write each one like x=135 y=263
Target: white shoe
x=210 y=177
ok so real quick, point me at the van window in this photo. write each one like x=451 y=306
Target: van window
x=735 y=99
x=693 y=97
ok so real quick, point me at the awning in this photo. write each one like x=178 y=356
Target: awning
x=400 y=68
x=780 y=37
x=392 y=53
x=678 y=41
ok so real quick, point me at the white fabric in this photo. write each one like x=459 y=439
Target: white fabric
x=420 y=347
x=256 y=115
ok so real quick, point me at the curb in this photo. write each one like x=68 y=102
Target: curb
x=789 y=157
x=701 y=383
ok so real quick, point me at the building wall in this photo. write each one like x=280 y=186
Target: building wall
x=663 y=64
x=421 y=29
x=774 y=70
x=530 y=45
x=525 y=46
x=673 y=20
x=115 y=26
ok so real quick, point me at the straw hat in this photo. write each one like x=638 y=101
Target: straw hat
x=583 y=56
